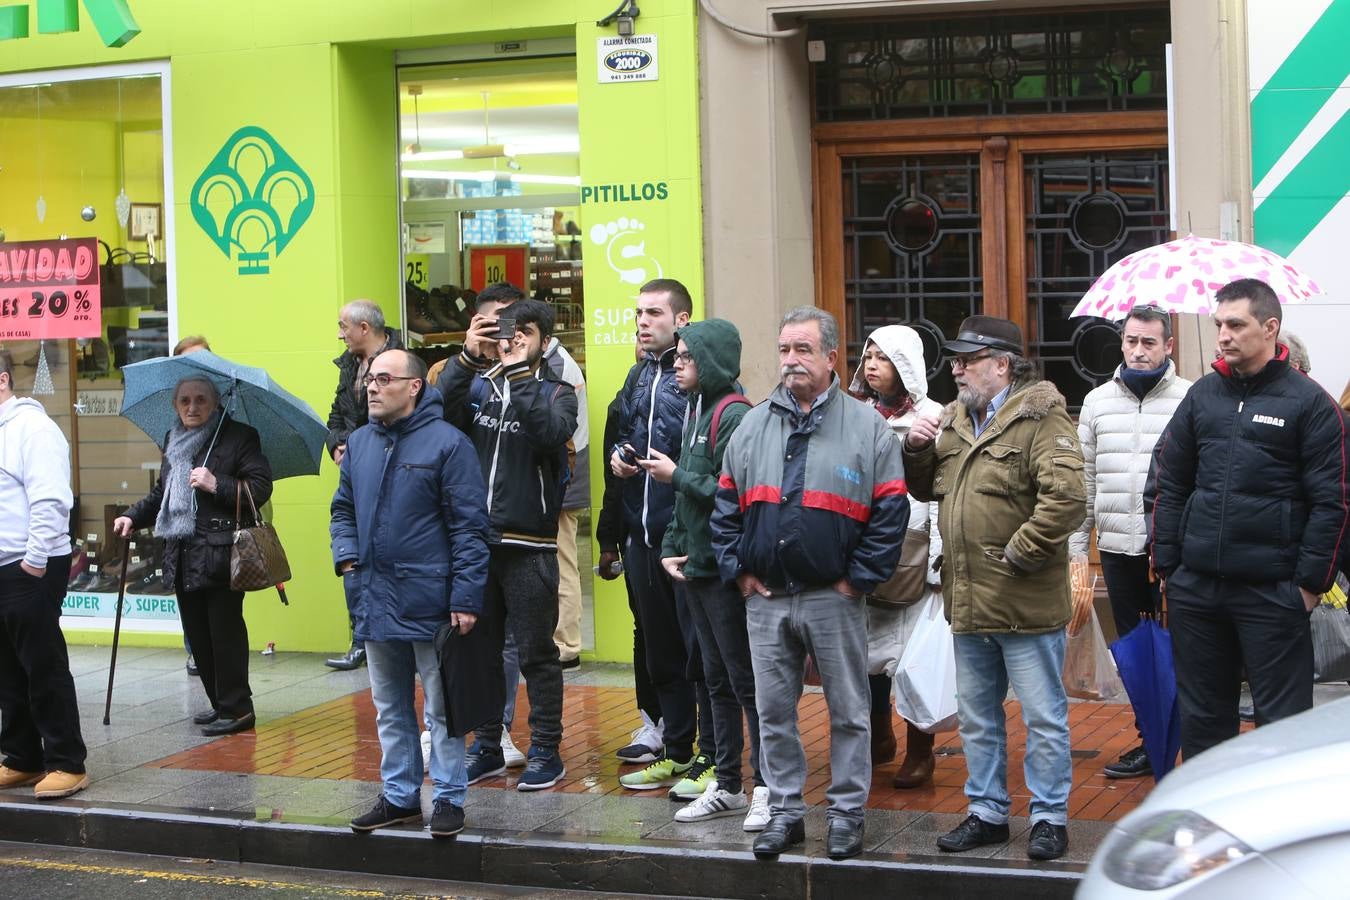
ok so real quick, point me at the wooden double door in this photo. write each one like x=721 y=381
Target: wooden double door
x=926 y=222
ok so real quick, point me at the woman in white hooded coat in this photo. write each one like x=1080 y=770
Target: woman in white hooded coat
x=892 y=376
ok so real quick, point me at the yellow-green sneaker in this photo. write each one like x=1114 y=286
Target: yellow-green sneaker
x=662 y=773
x=701 y=773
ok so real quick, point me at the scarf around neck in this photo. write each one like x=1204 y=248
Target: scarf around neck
x=177 y=509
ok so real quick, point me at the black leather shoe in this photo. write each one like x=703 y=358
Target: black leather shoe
x=352 y=659
x=447 y=820
x=384 y=814
x=973 y=832
x=1047 y=841
x=229 y=726
x=845 y=839
x=191 y=666
x=205 y=718
x=780 y=834
x=1132 y=765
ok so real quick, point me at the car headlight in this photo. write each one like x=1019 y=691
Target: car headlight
x=1169 y=848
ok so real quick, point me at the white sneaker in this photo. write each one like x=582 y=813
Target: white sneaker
x=426 y=751
x=758 y=817
x=514 y=758
x=648 y=742
x=714 y=803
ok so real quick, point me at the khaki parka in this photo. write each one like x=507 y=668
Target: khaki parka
x=1007 y=503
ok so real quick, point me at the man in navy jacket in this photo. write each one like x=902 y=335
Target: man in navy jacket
x=1248 y=510
x=409 y=534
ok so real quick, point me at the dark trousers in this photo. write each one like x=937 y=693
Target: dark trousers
x=39 y=717
x=1217 y=626
x=667 y=657
x=693 y=671
x=1129 y=589
x=643 y=690
x=719 y=620
x=213 y=621
x=523 y=587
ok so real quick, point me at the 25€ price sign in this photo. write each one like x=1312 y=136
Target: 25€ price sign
x=49 y=290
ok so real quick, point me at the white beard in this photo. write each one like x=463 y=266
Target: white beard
x=974 y=402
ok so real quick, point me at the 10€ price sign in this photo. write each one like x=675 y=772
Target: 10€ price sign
x=49 y=290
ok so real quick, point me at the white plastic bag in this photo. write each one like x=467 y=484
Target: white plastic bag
x=1089 y=669
x=925 y=679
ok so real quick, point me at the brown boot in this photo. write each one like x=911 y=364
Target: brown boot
x=12 y=778
x=917 y=768
x=883 y=737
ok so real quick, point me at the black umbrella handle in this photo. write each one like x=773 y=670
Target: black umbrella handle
x=117 y=627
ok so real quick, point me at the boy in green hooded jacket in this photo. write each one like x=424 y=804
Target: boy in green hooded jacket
x=707 y=364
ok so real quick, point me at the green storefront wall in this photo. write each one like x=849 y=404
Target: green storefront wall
x=318 y=77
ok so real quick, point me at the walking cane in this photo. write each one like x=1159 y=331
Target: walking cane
x=117 y=626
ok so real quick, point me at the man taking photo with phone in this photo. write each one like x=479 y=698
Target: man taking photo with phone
x=520 y=418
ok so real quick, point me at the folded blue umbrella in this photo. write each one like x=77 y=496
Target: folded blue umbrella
x=1144 y=660
x=290 y=431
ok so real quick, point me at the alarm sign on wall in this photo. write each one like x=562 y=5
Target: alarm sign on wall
x=626 y=58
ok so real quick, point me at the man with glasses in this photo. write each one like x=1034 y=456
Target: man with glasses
x=361 y=330
x=520 y=418
x=1004 y=466
x=409 y=535
x=1119 y=424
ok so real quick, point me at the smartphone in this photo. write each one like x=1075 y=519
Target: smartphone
x=506 y=328
x=628 y=454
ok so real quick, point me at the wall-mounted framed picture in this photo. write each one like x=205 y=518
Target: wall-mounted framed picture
x=146 y=220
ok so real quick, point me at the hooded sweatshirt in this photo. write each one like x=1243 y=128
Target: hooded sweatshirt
x=35 y=495
x=904 y=348
x=715 y=345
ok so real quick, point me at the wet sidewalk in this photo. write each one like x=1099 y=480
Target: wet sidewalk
x=313 y=760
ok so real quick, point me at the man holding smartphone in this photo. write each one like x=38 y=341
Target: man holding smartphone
x=520 y=418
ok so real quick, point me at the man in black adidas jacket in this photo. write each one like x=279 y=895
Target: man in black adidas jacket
x=1248 y=507
x=520 y=418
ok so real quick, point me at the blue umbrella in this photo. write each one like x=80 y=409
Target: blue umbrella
x=1144 y=660
x=291 y=433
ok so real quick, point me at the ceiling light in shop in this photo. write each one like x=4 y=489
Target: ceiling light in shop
x=488 y=175
x=559 y=145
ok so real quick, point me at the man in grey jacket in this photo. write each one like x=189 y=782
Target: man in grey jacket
x=1118 y=427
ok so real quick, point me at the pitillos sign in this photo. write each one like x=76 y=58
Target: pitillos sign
x=112 y=19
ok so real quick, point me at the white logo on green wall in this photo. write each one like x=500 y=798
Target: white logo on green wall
x=112 y=19
x=252 y=199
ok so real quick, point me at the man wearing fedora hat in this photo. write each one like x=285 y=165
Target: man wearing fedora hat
x=1005 y=467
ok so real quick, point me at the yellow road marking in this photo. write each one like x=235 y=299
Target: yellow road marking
x=223 y=880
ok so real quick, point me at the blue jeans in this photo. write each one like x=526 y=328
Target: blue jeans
x=394 y=667
x=985 y=664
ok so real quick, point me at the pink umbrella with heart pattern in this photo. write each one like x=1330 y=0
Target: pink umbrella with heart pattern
x=1182 y=277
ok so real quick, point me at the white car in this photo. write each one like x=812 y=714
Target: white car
x=1265 y=815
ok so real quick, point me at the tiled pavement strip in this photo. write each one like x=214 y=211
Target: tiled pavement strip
x=314 y=758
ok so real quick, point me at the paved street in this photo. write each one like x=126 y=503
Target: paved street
x=57 y=873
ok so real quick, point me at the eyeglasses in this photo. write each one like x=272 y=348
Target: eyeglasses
x=684 y=358
x=965 y=362
x=384 y=379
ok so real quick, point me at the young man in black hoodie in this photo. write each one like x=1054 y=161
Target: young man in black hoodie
x=520 y=417
x=707 y=364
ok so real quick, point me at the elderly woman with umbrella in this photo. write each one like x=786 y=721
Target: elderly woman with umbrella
x=208 y=457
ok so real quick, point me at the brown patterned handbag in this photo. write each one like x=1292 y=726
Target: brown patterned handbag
x=257 y=561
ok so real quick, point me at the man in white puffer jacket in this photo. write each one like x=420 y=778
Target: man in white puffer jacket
x=1119 y=424
x=892 y=376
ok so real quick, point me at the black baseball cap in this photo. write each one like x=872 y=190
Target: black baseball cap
x=986 y=332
